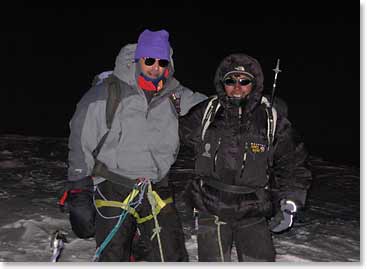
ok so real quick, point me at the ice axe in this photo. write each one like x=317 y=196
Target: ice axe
x=57 y=241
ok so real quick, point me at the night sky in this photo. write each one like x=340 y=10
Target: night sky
x=50 y=56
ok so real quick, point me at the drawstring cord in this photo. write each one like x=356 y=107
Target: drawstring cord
x=218 y=223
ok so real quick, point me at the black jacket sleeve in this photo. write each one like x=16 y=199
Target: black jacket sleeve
x=190 y=126
x=291 y=174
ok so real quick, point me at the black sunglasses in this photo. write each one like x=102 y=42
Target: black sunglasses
x=233 y=81
x=151 y=61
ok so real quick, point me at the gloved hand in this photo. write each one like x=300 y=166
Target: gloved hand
x=284 y=218
x=81 y=207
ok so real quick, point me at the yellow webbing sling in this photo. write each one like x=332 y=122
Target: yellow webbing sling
x=123 y=205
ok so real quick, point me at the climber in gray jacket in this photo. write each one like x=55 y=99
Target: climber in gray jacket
x=136 y=154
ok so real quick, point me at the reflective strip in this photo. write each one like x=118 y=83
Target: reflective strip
x=271 y=124
x=207 y=115
x=207 y=109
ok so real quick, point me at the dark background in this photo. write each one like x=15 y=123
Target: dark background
x=49 y=57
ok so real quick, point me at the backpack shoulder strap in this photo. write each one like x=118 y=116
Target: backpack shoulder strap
x=176 y=102
x=214 y=104
x=113 y=101
x=272 y=120
x=210 y=111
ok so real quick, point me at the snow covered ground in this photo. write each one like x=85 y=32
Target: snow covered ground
x=33 y=169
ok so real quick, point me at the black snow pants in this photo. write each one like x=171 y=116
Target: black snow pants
x=119 y=249
x=251 y=238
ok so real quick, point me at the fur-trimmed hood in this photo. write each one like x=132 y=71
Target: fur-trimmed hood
x=244 y=62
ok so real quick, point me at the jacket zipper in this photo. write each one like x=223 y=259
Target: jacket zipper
x=149 y=105
x=244 y=160
x=216 y=153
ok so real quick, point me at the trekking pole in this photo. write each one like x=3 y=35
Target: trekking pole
x=157 y=229
x=276 y=70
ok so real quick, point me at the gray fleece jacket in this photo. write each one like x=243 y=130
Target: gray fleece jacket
x=143 y=140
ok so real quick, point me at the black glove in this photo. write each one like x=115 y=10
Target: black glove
x=81 y=207
x=284 y=218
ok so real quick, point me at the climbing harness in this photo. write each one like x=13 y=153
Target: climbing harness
x=125 y=205
x=130 y=206
x=128 y=202
x=160 y=203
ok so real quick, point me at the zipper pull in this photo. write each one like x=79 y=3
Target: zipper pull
x=244 y=160
x=216 y=153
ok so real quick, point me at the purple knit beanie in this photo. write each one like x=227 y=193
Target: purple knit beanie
x=153 y=44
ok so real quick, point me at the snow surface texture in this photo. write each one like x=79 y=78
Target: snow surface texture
x=32 y=174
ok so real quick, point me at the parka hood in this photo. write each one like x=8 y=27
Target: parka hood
x=127 y=70
x=246 y=63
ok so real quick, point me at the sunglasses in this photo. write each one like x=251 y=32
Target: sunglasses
x=233 y=81
x=151 y=61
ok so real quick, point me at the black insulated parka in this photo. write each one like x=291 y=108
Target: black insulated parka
x=237 y=174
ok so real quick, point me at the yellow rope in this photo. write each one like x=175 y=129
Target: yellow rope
x=156 y=231
x=218 y=223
